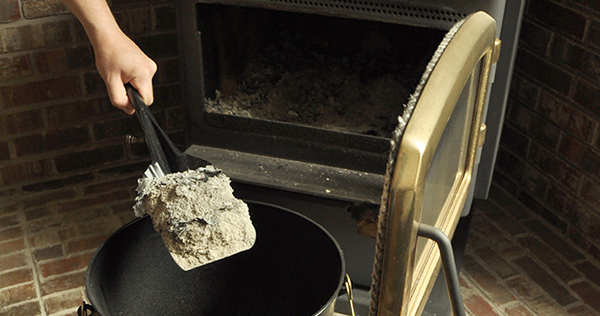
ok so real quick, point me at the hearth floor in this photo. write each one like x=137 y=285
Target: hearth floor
x=514 y=263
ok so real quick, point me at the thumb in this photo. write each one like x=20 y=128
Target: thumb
x=118 y=96
x=144 y=88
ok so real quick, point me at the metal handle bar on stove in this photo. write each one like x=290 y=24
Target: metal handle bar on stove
x=162 y=149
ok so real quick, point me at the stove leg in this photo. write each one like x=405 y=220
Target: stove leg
x=448 y=263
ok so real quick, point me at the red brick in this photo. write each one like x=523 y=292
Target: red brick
x=85 y=244
x=63 y=282
x=590 y=270
x=167 y=71
x=27 y=171
x=520 y=116
x=590 y=192
x=496 y=262
x=531 y=293
x=59 y=183
x=546 y=281
x=550 y=258
x=557 y=168
x=69 y=233
x=44 y=238
x=12 y=246
x=104 y=227
x=66 y=138
x=128 y=183
x=40 y=212
x=9 y=220
x=509 y=203
x=124 y=208
x=478 y=306
x=523 y=89
x=25 y=121
x=35 y=35
x=64 y=59
x=104 y=130
x=29 y=308
x=40 y=91
x=463 y=282
x=544 y=71
x=594 y=34
x=90 y=202
x=567 y=116
x=587 y=96
x=10 y=11
x=42 y=8
x=65 y=301
x=579 y=154
x=117 y=3
x=15 y=277
x=94 y=84
x=15 y=260
x=89 y=159
x=534 y=181
x=17 y=294
x=544 y=131
x=11 y=233
x=588 y=293
x=558 y=242
x=66 y=265
x=29 y=144
x=489 y=283
x=582 y=310
x=51 y=140
x=84 y=215
x=4 y=151
x=47 y=197
x=476 y=241
x=587 y=221
x=501 y=215
x=134 y=22
x=15 y=67
x=495 y=237
x=75 y=113
x=165 y=18
x=50 y=252
x=518 y=310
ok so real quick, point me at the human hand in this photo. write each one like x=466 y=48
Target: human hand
x=119 y=61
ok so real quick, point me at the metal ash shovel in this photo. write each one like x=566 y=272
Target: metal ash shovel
x=191 y=203
x=166 y=157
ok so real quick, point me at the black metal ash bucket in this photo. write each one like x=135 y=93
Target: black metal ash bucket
x=295 y=268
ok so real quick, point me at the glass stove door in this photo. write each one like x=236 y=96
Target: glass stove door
x=433 y=167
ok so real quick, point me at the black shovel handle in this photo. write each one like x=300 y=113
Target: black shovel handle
x=162 y=149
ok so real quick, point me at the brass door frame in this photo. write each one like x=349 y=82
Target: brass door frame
x=406 y=282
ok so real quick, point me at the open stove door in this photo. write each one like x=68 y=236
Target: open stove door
x=431 y=164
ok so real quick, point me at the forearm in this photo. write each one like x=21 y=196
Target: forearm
x=96 y=18
x=118 y=59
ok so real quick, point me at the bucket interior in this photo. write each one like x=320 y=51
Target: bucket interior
x=294 y=268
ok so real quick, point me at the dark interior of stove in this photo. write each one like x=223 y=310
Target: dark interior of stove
x=307 y=87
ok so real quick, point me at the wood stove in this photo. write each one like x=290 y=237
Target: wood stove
x=360 y=114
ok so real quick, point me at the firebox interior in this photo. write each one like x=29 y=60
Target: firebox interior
x=327 y=89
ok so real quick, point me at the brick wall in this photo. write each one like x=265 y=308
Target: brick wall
x=550 y=155
x=63 y=155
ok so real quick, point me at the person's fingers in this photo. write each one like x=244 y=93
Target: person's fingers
x=118 y=95
x=144 y=88
x=143 y=83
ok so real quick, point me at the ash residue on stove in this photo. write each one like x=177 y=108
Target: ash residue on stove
x=305 y=79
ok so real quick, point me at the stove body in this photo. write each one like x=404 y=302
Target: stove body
x=325 y=171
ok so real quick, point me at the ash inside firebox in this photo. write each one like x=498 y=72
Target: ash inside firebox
x=309 y=81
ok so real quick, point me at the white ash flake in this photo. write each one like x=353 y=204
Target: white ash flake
x=197 y=215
